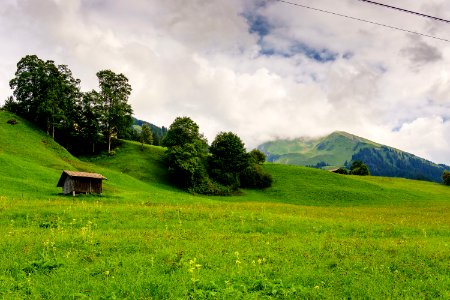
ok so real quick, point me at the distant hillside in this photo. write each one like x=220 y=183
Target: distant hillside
x=339 y=149
x=158 y=132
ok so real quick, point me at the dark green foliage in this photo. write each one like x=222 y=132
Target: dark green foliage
x=12 y=121
x=45 y=94
x=359 y=168
x=146 y=135
x=319 y=165
x=11 y=105
x=89 y=119
x=232 y=166
x=186 y=154
x=225 y=168
x=341 y=170
x=228 y=159
x=157 y=132
x=182 y=131
x=116 y=112
x=254 y=177
x=257 y=156
x=186 y=164
x=446 y=177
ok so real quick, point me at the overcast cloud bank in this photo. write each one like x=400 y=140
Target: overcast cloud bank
x=261 y=69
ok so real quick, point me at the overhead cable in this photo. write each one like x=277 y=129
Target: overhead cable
x=364 y=20
x=407 y=11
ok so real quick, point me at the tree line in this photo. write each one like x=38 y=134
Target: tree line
x=219 y=169
x=146 y=133
x=385 y=161
x=84 y=122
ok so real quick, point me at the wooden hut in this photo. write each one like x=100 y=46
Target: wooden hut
x=80 y=182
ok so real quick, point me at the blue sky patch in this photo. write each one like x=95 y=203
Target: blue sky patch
x=320 y=55
x=258 y=24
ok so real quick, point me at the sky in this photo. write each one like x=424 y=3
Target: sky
x=264 y=70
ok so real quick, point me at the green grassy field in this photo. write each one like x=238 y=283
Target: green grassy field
x=314 y=234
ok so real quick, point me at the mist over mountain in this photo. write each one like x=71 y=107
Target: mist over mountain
x=340 y=148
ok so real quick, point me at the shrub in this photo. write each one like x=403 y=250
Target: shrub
x=446 y=177
x=208 y=187
x=359 y=168
x=341 y=170
x=12 y=121
x=255 y=177
x=257 y=156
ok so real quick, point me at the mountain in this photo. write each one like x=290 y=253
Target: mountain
x=340 y=148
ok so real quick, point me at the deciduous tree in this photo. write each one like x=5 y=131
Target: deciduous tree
x=45 y=93
x=257 y=156
x=146 y=135
x=228 y=159
x=116 y=112
x=89 y=118
x=359 y=168
x=446 y=177
x=186 y=154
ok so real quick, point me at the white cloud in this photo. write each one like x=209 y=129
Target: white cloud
x=201 y=59
x=426 y=137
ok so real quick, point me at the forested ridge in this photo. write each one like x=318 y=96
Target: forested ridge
x=84 y=122
x=386 y=161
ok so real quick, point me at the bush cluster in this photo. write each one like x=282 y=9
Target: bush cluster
x=341 y=170
x=357 y=168
x=12 y=121
x=219 y=169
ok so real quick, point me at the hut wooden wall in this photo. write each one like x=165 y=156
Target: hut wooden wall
x=82 y=185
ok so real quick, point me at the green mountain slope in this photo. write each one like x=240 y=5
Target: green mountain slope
x=340 y=148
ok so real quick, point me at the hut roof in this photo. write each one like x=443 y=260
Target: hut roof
x=66 y=173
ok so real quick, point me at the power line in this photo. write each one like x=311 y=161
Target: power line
x=406 y=10
x=363 y=20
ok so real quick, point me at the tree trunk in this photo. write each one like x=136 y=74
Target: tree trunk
x=109 y=143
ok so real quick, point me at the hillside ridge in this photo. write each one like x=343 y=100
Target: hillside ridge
x=340 y=148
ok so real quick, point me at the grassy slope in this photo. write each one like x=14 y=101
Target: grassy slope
x=314 y=234
x=31 y=164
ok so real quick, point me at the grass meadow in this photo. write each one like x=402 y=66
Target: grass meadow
x=312 y=235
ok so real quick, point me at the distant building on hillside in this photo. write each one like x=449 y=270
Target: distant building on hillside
x=80 y=182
